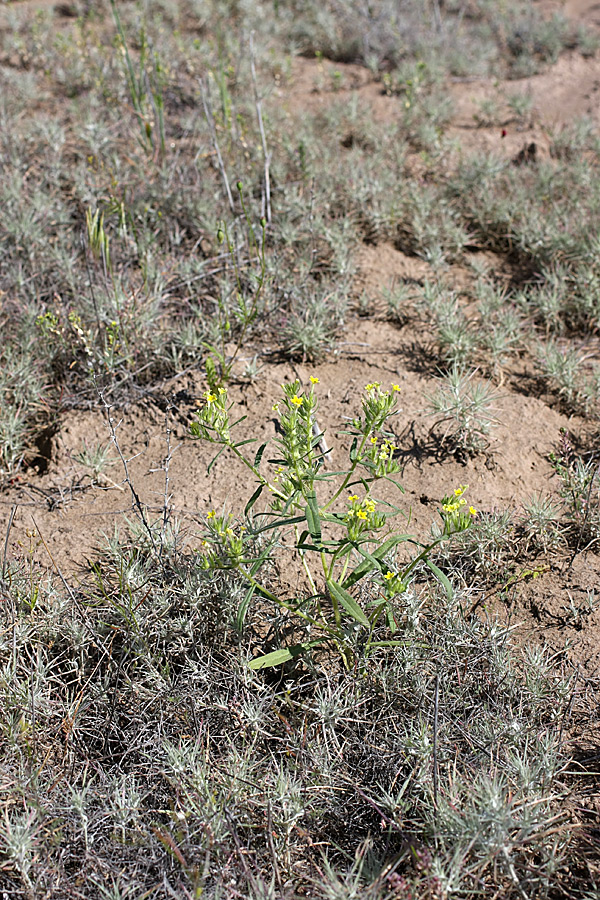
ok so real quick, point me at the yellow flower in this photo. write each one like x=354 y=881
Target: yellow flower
x=212 y=514
x=361 y=514
x=388 y=576
x=459 y=491
x=352 y=498
x=373 y=440
x=396 y=387
x=210 y=398
x=297 y=401
x=275 y=407
x=472 y=510
x=372 y=386
x=314 y=380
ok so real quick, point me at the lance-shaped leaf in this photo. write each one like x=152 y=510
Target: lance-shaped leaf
x=313 y=519
x=243 y=608
x=443 y=579
x=253 y=499
x=278 y=657
x=348 y=602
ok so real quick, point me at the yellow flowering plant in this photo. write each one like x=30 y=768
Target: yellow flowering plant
x=343 y=540
x=456 y=514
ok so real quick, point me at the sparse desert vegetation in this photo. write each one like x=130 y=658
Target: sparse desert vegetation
x=299 y=468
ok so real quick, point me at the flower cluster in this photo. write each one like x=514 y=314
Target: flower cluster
x=379 y=458
x=362 y=516
x=454 y=512
x=394 y=584
x=298 y=443
x=212 y=419
x=286 y=486
x=377 y=405
x=224 y=546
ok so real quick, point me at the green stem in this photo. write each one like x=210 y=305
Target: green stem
x=288 y=606
x=350 y=473
x=424 y=553
x=345 y=569
x=328 y=571
x=305 y=564
x=250 y=465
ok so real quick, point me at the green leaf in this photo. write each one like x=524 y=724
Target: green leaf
x=213 y=461
x=259 y=454
x=280 y=523
x=336 y=518
x=377 y=612
x=390 y=644
x=348 y=602
x=313 y=519
x=443 y=580
x=278 y=657
x=364 y=567
x=211 y=372
x=258 y=562
x=253 y=499
x=391 y=621
x=368 y=557
x=243 y=609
